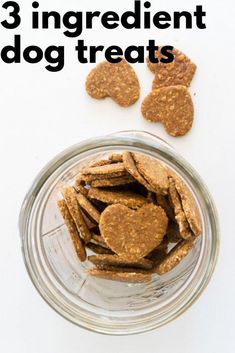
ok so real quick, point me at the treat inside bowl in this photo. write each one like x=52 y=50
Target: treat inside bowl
x=114 y=235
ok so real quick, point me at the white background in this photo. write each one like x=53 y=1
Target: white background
x=42 y=113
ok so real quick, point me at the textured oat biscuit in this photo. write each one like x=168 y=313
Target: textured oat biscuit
x=189 y=206
x=74 y=235
x=88 y=207
x=178 y=72
x=130 y=166
x=180 y=217
x=163 y=201
x=99 y=163
x=80 y=186
x=133 y=234
x=172 y=106
x=98 y=249
x=153 y=171
x=112 y=168
x=126 y=198
x=130 y=277
x=110 y=182
x=70 y=196
x=115 y=157
x=115 y=260
x=174 y=257
x=88 y=178
x=118 y=81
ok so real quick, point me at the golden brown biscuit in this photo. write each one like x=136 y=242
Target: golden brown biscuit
x=174 y=257
x=88 y=207
x=133 y=234
x=77 y=241
x=118 y=81
x=172 y=106
x=126 y=198
x=99 y=240
x=153 y=171
x=189 y=206
x=180 y=217
x=115 y=157
x=178 y=72
x=112 y=168
x=131 y=168
x=163 y=201
x=70 y=196
x=98 y=249
x=102 y=261
x=130 y=277
x=123 y=180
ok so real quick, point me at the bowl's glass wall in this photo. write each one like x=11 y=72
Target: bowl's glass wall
x=107 y=306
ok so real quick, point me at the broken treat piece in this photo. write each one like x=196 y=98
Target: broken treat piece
x=180 y=217
x=133 y=234
x=189 y=206
x=118 y=81
x=130 y=166
x=130 y=277
x=102 y=261
x=178 y=72
x=172 y=106
x=70 y=196
x=104 y=169
x=98 y=249
x=115 y=157
x=126 y=198
x=153 y=171
x=174 y=257
x=74 y=235
x=88 y=207
x=127 y=179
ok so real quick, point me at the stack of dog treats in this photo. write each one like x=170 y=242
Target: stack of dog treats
x=136 y=216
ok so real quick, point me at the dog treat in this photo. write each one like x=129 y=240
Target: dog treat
x=130 y=210
x=118 y=81
x=99 y=249
x=115 y=157
x=153 y=172
x=70 y=197
x=130 y=166
x=178 y=72
x=189 y=206
x=88 y=207
x=180 y=217
x=174 y=257
x=127 y=179
x=126 y=198
x=77 y=241
x=98 y=239
x=172 y=106
x=133 y=234
x=130 y=277
x=102 y=261
x=112 y=168
x=99 y=163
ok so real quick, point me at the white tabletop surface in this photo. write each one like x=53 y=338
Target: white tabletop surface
x=42 y=113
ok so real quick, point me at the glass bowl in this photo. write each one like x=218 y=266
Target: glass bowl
x=99 y=305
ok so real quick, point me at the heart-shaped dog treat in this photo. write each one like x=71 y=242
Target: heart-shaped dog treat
x=178 y=72
x=118 y=81
x=172 y=106
x=133 y=234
